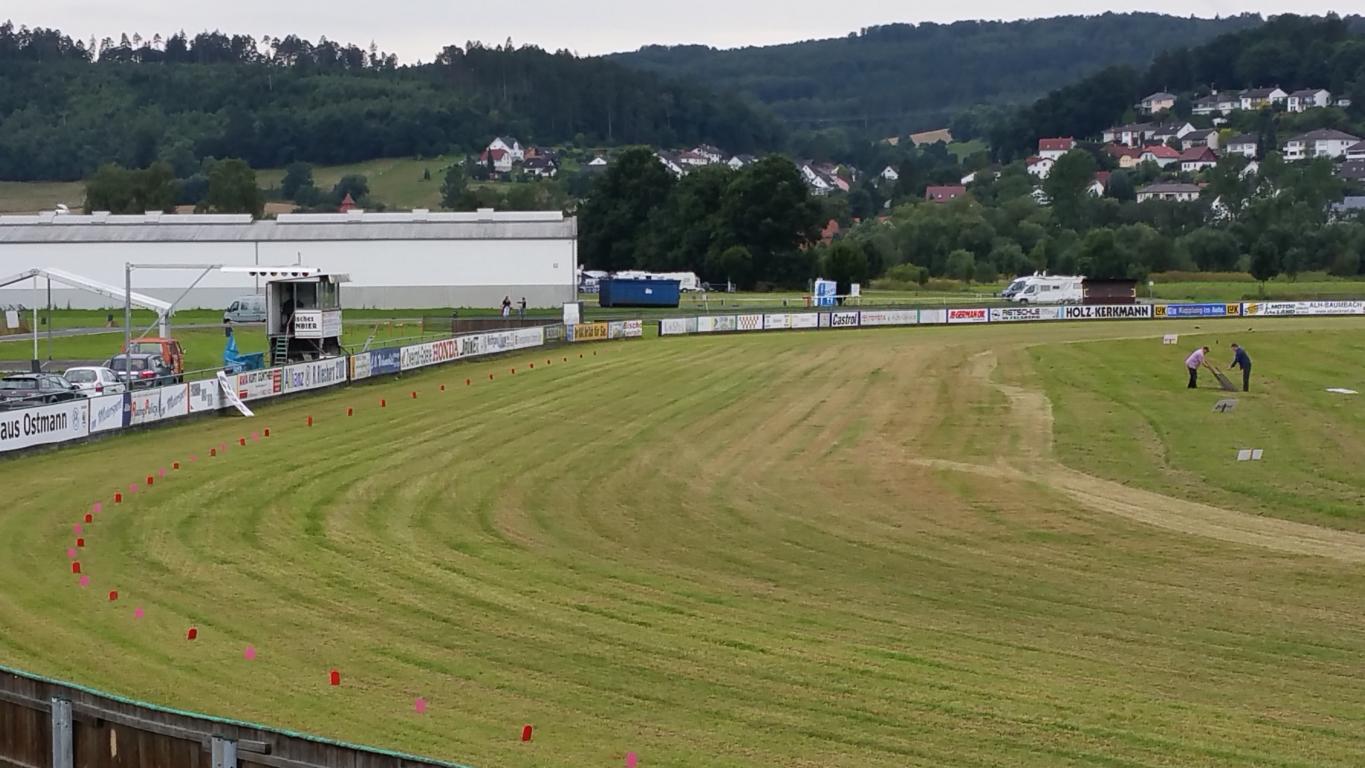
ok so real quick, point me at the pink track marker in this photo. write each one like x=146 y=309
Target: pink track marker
x=249 y=653
x=138 y=613
x=161 y=472
x=193 y=458
x=85 y=581
x=98 y=508
x=76 y=528
x=71 y=553
x=420 y=705
x=132 y=487
x=631 y=760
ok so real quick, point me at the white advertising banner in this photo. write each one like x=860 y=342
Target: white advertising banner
x=254 y=385
x=717 y=324
x=430 y=353
x=749 y=322
x=626 y=329
x=331 y=324
x=786 y=321
x=843 y=319
x=956 y=316
x=1024 y=314
x=673 y=326
x=933 y=316
x=150 y=405
x=44 y=425
x=1107 y=312
x=308 y=323
x=205 y=396
x=107 y=413
x=313 y=375
x=875 y=317
x=1290 y=308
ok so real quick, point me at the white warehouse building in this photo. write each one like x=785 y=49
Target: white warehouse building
x=409 y=260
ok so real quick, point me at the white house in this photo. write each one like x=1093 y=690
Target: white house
x=1205 y=138
x=713 y=156
x=501 y=159
x=598 y=162
x=740 y=161
x=1207 y=105
x=694 y=159
x=820 y=185
x=891 y=174
x=1051 y=149
x=1356 y=151
x=1180 y=193
x=1309 y=98
x=541 y=167
x=1196 y=159
x=1325 y=142
x=1040 y=167
x=1164 y=133
x=509 y=145
x=1160 y=154
x=1131 y=135
x=1256 y=98
x=1245 y=145
x=671 y=161
x=1157 y=102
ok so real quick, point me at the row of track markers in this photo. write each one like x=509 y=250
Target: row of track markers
x=419 y=704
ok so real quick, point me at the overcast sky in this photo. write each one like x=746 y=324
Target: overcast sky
x=417 y=29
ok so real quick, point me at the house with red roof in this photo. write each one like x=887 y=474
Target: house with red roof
x=1160 y=154
x=1051 y=149
x=1196 y=159
x=501 y=160
x=943 y=194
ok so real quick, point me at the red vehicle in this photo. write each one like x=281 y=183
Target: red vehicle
x=169 y=350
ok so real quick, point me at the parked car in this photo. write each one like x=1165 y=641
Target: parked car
x=23 y=390
x=245 y=309
x=95 y=380
x=147 y=370
x=168 y=350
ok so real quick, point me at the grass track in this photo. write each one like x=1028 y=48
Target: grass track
x=728 y=563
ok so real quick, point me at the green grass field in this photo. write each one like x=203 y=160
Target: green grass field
x=861 y=548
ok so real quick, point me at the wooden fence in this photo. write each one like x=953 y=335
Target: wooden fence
x=49 y=724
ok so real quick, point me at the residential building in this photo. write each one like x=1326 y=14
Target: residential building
x=1344 y=102
x=500 y=159
x=1206 y=106
x=944 y=194
x=1132 y=135
x=1351 y=205
x=1051 y=149
x=1229 y=101
x=509 y=145
x=1256 y=98
x=1099 y=184
x=541 y=167
x=1170 y=132
x=820 y=183
x=598 y=163
x=713 y=155
x=1205 y=138
x=1127 y=157
x=1196 y=159
x=890 y=174
x=1178 y=192
x=1246 y=145
x=693 y=159
x=1160 y=154
x=1352 y=170
x=1308 y=98
x=1040 y=167
x=672 y=162
x=1325 y=142
x=1157 y=102
x=1356 y=151
x=932 y=137
x=740 y=161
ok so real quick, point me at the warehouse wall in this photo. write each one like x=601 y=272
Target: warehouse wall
x=385 y=274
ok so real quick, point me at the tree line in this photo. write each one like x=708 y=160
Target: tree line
x=67 y=110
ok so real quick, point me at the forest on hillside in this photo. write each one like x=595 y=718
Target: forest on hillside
x=67 y=106
x=900 y=78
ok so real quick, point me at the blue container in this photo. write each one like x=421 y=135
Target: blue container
x=638 y=293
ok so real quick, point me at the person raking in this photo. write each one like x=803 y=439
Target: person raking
x=1242 y=360
x=1194 y=362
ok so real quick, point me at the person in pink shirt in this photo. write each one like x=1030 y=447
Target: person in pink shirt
x=1194 y=362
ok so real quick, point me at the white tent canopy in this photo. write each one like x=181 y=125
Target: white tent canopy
x=162 y=308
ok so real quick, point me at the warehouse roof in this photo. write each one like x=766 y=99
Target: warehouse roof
x=51 y=227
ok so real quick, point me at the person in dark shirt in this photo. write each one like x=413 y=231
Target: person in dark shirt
x=1242 y=360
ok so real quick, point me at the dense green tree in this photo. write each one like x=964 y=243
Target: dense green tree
x=120 y=190
x=1211 y=250
x=297 y=176
x=845 y=263
x=614 y=223
x=232 y=189
x=1265 y=261
x=1067 y=186
x=453 y=185
x=768 y=210
x=960 y=265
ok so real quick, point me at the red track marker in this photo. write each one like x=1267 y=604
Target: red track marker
x=514 y=371
x=334 y=677
x=467 y=382
x=113 y=595
x=213 y=452
x=383 y=403
x=533 y=366
x=414 y=395
x=490 y=377
x=350 y=411
x=526 y=733
x=175 y=465
x=192 y=633
x=242 y=440
x=267 y=431
x=310 y=421
x=118 y=497
x=150 y=480
x=443 y=387
x=566 y=359
x=80 y=543
x=76 y=566
x=89 y=518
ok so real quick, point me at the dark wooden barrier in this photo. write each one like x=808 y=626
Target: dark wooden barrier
x=50 y=724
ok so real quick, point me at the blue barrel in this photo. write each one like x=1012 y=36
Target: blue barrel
x=621 y=292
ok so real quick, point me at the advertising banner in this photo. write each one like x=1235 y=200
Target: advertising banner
x=429 y=353
x=314 y=375
x=749 y=322
x=875 y=317
x=1107 y=312
x=589 y=332
x=254 y=385
x=308 y=323
x=1024 y=314
x=1289 y=308
x=933 y=316
x=108 y=412
x=780 y=322
x=626 y=329
x=672 y=326
x=824 y=319
x=969 y=316
x=149 y=405
x=44 y=425
x=717 y=324
x=553 y=333
x=843 y=319
x=205 y=396
x=331 y=324
x=1196 y=310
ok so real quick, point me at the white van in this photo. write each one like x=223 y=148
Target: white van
x=1051 y=289
x=246 y=309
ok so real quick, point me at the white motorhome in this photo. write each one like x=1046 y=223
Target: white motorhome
x=687 y=281
x=1049 y=289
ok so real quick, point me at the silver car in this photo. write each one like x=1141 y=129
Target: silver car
x=95 y=380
